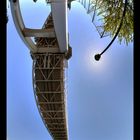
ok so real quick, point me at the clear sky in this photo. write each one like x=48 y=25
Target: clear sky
x=100 y=94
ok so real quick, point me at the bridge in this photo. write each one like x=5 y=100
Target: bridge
x=50 y=52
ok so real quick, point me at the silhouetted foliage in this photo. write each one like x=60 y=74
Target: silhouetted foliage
x=111 y=14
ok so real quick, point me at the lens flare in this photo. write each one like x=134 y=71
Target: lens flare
x=94 y=65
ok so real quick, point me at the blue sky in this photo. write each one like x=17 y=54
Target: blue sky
x=100 y=94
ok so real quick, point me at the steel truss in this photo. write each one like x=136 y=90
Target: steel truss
x=49 y=64
x=92 y=10
x=49 y=83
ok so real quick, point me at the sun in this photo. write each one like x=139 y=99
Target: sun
x=94 y=65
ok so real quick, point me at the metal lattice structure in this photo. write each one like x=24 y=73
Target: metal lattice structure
x=48 y=81
x=92 y=10
x=49 y=86
x=50 y=52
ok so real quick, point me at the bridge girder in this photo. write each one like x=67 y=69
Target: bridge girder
x=48 y=72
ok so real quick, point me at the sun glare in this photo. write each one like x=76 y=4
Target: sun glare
x=92 y=64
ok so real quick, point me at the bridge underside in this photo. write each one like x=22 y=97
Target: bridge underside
x=49 y=84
